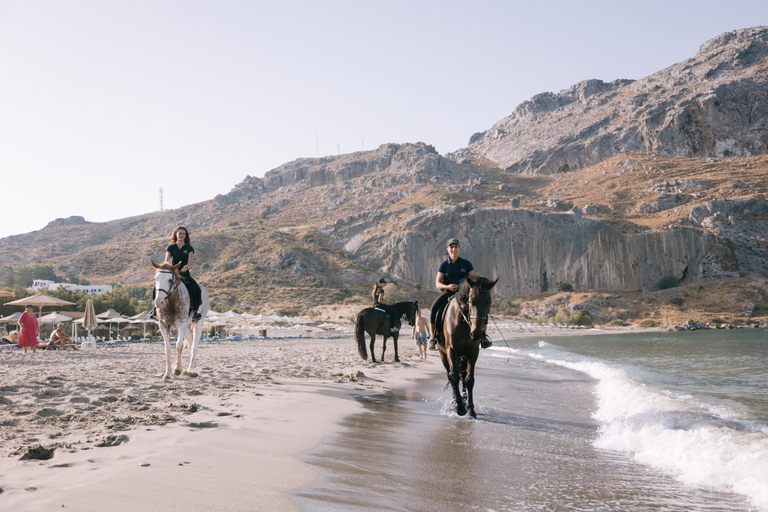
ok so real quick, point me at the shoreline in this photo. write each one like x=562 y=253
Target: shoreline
x=233 y=443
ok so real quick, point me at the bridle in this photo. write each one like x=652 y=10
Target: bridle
x=174 y=284
x=467 y=319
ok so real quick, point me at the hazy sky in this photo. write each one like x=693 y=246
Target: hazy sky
x=104 y=102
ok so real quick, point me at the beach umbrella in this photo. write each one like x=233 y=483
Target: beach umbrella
x=54 y=318
x=89 y=319
x=4 y=293
x=10 y=319
x=144 y=319
x=40 y=301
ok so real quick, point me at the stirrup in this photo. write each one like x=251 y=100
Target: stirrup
x=197 y=316
x=153 y=314
x=486 y=343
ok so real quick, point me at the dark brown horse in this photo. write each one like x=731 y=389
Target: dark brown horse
x=376 y=321
x=465 y=320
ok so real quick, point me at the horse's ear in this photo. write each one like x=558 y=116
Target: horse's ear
x=493 y=283
x=154 y=264
x=471 y=281
x=416 y=304
x=177 y=266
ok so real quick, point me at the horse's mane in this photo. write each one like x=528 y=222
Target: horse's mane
x=462 y=294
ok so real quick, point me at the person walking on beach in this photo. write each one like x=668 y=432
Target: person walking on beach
x=377 y=294
x=449 y=274
x=61 y=338
x=421 y=333
x=28 y=329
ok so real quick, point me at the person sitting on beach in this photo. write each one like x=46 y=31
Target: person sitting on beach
x=12 y=338
x=377 y=294
x=61 y=338
x=421 y=333
x=449 y=274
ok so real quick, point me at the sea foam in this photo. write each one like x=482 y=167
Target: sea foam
x=699 y=445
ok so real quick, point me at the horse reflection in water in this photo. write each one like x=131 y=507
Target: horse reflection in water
x=464 y=324
x=376 y=321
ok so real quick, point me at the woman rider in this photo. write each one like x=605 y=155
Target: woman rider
x=449 y=274
x=180 y=250
x=377 y=294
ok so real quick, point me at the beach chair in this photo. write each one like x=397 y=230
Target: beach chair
x=88 y=342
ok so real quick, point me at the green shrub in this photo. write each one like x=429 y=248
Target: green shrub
x=666 y=282
x=564 y=287
x=648 y=323
x=677 y=301
x=581 y=317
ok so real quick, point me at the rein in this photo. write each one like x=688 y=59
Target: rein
x=174 y=284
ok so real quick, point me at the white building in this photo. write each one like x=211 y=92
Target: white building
x=44 y=284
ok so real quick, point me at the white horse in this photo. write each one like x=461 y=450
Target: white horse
x=172 y=306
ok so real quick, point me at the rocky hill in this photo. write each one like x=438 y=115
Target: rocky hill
x=712 y=105
x=606 y=187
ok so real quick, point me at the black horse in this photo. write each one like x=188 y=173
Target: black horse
x=376 y=321
x=465 y=320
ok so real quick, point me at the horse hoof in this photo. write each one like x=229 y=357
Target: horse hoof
x=166 y=376
x=177 y=372
x=472 y=413
x=397 y=359
x=190 y=374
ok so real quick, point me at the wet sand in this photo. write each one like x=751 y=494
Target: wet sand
x=531 y=448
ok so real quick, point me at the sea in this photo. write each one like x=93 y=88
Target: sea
x=657 y=421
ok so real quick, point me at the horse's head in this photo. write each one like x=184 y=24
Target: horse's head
x=410 y=313
x=477 y=295
x=167 y=279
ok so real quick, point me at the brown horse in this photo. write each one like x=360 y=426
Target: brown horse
x=465 y=320
x=376 y=321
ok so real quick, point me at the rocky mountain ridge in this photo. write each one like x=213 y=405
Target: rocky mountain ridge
x=711 y=105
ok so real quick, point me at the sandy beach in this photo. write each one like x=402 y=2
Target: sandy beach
x=82 y=427
x=226 y=440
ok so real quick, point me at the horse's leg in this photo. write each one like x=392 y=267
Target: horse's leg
x=394 y=339
x=194 y=332
x=383 y=346
x=167 y=340
x=373 y=340
x=455 y=376
x=469 y=386
x=182 y=328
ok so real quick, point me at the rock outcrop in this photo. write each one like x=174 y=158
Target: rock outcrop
x=532 y=251
x=715 y=104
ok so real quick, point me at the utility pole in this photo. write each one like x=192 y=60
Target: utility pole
x=161 y=199
x=317 y=145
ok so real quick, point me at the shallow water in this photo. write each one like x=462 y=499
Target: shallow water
x=628 y=422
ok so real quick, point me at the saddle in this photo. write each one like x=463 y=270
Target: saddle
x=394 y=322
x=439 y=319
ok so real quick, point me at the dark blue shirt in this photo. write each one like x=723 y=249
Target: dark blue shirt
x=453 y=273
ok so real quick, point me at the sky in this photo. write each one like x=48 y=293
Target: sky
x=103 y=103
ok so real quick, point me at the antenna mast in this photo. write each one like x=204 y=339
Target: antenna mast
x=161 y=199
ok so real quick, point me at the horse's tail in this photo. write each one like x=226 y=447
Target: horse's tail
x=360 y=335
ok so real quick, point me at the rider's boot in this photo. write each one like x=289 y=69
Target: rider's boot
x=153 y=314
x=197 y=316
x=433 y=339
x=486 y=342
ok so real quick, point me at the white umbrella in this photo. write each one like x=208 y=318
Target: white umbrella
x=40 y=301
x=54 y=318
